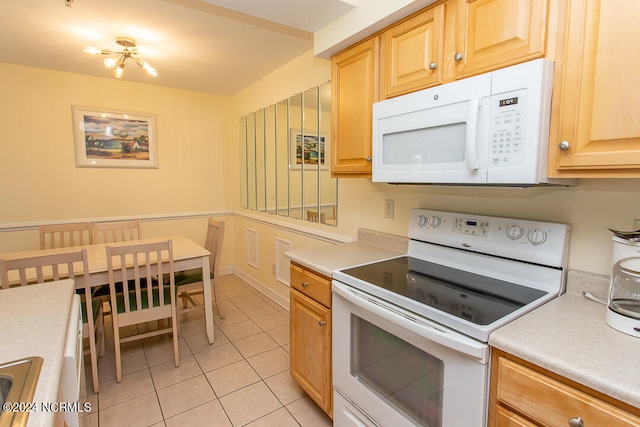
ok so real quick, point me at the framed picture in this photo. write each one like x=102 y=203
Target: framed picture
x=114 y=139
x=311 y=147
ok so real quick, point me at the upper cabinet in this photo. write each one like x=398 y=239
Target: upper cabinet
x=597 y=117
x=491 y=34
x=412 y=53
x=354 y=89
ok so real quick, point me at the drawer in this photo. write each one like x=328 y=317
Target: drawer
x=312 y=284
x=506 y=418
x=552 y=403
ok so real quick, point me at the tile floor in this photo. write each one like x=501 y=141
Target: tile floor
x=240 y=380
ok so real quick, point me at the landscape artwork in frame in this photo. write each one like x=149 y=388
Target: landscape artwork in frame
x=114 y=139
x=310 y=146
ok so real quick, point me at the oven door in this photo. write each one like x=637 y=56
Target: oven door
x=402 y=370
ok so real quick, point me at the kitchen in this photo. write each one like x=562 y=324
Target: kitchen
x=206 y=179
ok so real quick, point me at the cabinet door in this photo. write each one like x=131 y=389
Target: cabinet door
x=599 y=108
x=311 y=349
x=496 y=33
x=412 y=53
x=354 y=89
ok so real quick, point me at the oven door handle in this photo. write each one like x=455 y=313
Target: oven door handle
x=422 y=327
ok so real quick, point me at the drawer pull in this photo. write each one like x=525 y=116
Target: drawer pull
x=576 y=422
x=322 y=323
x=305 y=284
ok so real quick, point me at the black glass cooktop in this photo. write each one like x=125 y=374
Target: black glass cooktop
x=478 y=299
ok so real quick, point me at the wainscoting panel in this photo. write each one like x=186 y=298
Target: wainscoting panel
x=252 y=247
x=282 y=263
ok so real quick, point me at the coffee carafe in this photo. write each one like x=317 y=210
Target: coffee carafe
x=623 y=310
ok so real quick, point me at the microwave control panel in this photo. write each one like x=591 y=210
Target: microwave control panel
x=507 y=129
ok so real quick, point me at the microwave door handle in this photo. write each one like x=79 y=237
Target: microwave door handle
x=471 y=137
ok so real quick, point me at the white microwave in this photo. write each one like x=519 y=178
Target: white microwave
x=490 y=129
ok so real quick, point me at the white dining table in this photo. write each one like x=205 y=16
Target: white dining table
x=187 y=255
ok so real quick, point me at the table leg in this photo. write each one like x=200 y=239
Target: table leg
x=208 y=302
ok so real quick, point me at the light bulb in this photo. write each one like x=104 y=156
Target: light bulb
x=91 y=50
x=152 y=71
x=110 y=62
x=119 y=71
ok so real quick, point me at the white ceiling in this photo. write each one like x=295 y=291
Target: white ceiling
x=214 y=46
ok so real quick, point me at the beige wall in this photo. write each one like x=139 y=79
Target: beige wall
x=38 y=152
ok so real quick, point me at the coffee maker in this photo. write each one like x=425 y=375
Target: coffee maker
x=623 y=306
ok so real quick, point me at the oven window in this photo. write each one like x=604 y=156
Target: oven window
x=404 y=376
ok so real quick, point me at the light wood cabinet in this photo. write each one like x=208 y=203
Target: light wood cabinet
x=354 y=89
x=491 y=34
x=522 y=394
x=595 y=95
x=310 y=319
x=412 y=53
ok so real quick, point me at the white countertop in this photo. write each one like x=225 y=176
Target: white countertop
x=34 y=322
x=569 y=336
x=325 y=259
x=371 y=246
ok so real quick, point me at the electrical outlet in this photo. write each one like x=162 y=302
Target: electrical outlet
x=636 y=224
x=388 y=208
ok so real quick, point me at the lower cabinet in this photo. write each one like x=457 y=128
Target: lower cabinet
x=524 y=395
x=310 y=318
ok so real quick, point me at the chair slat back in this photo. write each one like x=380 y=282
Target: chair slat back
x=138 y=265
x=116 y=231
x=213 y=243
x=313 y=216
x=45 y=268
x=65 y=235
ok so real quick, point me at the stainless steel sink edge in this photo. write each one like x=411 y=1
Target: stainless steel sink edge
x=23 y=375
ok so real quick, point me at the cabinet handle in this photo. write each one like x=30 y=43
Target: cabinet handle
x=564 y=145
x=305 y=284
x=433 y=66
x=576 y=422
x=368 y=158
x=458 y=57
x=322 y=323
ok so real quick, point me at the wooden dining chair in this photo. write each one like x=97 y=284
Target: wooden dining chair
x=45 y=268
x=141 y=299
x=65 y=235
x=112 y=232
x=313 y=216
x=189 y=283
x=116 y=231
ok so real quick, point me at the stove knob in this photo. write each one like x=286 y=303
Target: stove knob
x=537 y=236
x=434 y=221
x=514 y=232
x=422 y=221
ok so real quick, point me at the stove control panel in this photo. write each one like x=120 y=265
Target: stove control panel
x=471 y=226
x=532 y=241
